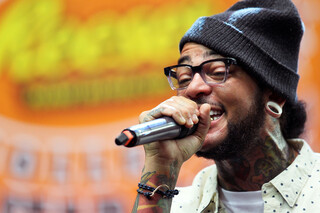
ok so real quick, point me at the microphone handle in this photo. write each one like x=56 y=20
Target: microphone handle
x=156 y=130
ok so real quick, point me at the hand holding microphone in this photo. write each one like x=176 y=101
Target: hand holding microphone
x=173 y=119
x=171 y=133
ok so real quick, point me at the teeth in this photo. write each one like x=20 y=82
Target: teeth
x=214 y=118
x=214 y=112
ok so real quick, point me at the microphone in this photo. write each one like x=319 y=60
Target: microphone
x=156 y=130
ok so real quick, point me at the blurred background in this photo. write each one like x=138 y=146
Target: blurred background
x=74 y=73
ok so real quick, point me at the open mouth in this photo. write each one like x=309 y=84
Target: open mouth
x=215 y=114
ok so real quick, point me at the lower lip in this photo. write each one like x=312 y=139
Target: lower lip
x=218 y=126
x=216 y=130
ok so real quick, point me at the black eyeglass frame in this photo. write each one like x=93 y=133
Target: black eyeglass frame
x=198 y=69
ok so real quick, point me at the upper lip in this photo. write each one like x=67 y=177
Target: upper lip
x=217 y=108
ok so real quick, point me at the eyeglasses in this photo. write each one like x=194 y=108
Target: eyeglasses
x=213 y=72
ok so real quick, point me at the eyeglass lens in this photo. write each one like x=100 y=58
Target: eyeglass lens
x=213 y=72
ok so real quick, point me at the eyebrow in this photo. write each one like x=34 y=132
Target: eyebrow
x=183 y=59
x=187 y=58
x=210 y=53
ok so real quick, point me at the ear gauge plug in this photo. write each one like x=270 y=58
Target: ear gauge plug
x=273 y=109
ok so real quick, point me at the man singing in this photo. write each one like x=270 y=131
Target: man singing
x=236 y=78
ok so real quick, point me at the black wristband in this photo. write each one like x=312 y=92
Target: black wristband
x=165 y=194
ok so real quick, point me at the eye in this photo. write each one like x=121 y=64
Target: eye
x=216 y=73
x=184 y=76
x=184 y=82
x=181 y=76
x=215 y=70
x=214 y=66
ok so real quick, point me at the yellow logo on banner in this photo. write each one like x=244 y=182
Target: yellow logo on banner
x=62 y=61
x=39 y=40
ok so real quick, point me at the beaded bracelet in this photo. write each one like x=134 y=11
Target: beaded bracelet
x=146 y=194
x=165 y=194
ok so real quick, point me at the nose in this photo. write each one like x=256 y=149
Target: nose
x=197 y=87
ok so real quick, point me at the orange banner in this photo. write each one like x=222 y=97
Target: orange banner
x=74 y=73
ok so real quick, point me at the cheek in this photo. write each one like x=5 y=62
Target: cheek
x=238 y=98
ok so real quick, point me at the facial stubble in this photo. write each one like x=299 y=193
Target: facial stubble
x=242 y=134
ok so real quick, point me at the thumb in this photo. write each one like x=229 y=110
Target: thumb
x=204 y=122
x=193 y=143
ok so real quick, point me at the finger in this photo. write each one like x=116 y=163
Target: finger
x=204 y=121
x=187 y=108
x=182 y=110
x=165 y=110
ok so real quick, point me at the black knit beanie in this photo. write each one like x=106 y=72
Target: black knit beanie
x=262 y=35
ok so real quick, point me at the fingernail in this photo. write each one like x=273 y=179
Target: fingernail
x=190 y=121
x=195 y=117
